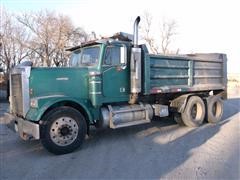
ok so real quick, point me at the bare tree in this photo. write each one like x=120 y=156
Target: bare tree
x=167 y=32
x=77 y=36
x=145 y=28
x=51 y=33
x=12 y=40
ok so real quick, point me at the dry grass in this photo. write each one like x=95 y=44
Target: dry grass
x=233 y=85
x=233 y=80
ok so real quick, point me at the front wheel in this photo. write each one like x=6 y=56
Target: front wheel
x=64 y=130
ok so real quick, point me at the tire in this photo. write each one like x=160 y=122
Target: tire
x=64 y=130
x=215 y=109
x=178 y=119
x=194 y=112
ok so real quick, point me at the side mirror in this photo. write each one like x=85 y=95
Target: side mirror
x=123 y=55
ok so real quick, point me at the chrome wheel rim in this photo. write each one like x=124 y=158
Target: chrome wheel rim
x=196 y=112
x=64 y=131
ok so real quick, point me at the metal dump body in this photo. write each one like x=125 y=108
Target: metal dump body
x=184 y=73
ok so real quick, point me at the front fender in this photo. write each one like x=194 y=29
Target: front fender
x=45 y=102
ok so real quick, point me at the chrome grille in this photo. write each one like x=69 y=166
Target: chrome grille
x=17 y=94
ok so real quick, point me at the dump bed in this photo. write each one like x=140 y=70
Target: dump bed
x=184 y=73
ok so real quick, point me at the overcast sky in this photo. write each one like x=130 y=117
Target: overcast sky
x=203 y=25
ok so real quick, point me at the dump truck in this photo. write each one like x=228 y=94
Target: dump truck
x=112 y=83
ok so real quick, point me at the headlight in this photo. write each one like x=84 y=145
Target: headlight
x=34 y=103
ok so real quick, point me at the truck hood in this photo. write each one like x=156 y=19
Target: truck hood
x=59 y=81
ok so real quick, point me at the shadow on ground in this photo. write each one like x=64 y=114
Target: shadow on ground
x=144 y=151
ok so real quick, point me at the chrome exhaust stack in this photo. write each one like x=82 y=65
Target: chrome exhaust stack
x=135 y=66
x=135 y=32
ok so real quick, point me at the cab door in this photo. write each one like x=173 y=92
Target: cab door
x=115 y=73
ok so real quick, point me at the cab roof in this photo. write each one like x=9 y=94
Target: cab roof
x=120 y=36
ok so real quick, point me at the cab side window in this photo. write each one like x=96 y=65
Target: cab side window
x=112 y=56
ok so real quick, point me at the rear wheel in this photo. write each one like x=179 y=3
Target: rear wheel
x=215 y=109
x=178 y=119
x=194 y=113
x=64 y=130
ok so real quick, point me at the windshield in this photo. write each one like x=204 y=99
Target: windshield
x=88 y=56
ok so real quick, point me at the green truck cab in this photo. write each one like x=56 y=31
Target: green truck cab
x=114 y=83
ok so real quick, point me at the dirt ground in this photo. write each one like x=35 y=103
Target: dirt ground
x=161 y=149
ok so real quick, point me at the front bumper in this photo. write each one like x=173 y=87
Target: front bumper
x=26 y=129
